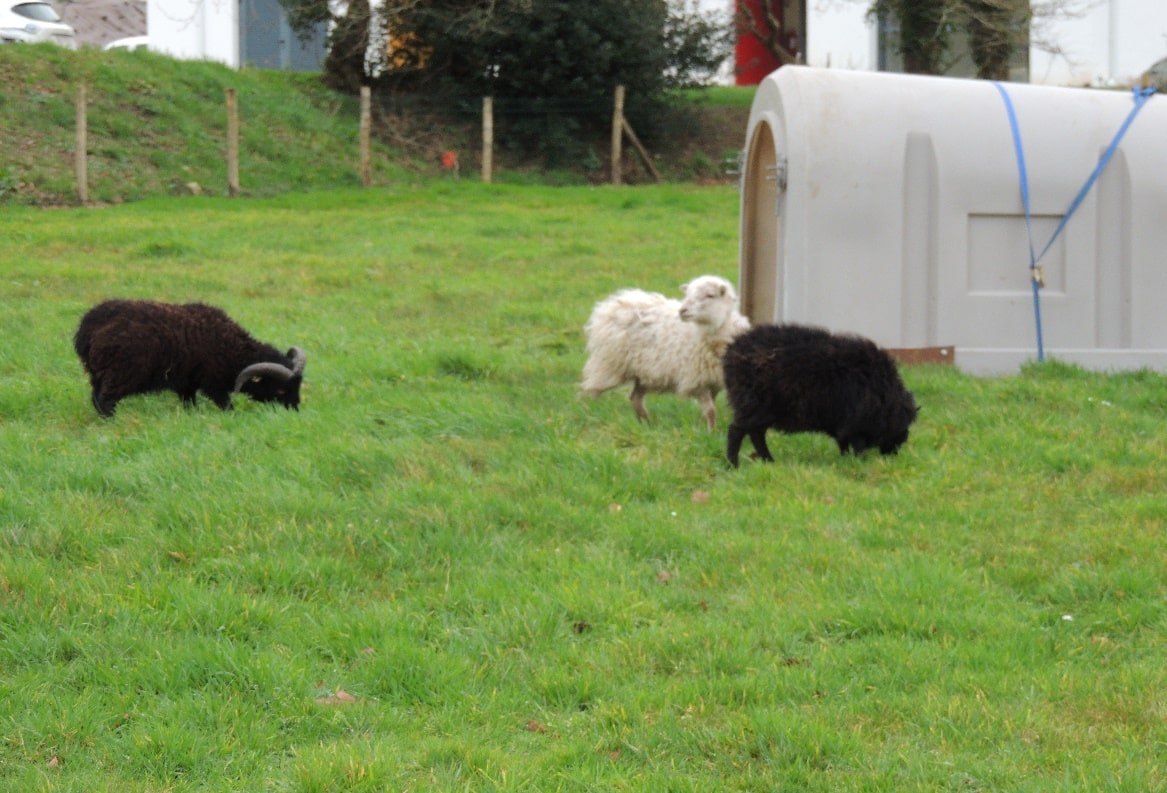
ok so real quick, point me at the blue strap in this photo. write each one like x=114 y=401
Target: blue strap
x=1140 y=98
x=1034 y=275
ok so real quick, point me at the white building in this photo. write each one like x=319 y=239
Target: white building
x=1101 y=42
x=195 y=29
x=1086 y=42
x=234 y=32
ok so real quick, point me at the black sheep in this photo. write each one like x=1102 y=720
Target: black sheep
x=796 y=378
x=139 y=346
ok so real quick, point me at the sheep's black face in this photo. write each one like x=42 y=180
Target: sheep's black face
x=273 y=389
x=893 y=444
x=905 y=415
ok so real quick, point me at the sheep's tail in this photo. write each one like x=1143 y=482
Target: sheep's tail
x=599 y=375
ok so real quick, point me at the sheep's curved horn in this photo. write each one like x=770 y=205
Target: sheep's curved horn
x=277 y=370
x=298 y=360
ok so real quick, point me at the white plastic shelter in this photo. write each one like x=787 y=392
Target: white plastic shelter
x=890 y=205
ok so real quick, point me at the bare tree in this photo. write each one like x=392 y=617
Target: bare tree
x=763 y=21
x=348 y=45
x=1045 y=13
x=926 y=28
x=994 y=30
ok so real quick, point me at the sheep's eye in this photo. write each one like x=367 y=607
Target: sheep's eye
x=256 y=379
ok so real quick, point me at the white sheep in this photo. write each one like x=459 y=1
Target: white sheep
x=663 y=345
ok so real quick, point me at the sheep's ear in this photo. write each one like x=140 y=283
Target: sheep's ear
x=685 y=287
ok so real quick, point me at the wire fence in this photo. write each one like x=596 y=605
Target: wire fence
x=487 y=108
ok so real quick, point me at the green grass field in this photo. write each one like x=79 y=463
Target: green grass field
x=448 y=571
x=723 y=95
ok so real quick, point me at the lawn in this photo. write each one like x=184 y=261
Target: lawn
x=448 y=571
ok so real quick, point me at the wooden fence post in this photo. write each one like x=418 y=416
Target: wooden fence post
x=487 y=139
x=645 y=157
x=79 y=155
x=365 y=132
x=232 y=144
x=617 y=134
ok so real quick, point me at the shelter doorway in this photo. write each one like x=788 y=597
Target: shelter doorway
x=763 y=186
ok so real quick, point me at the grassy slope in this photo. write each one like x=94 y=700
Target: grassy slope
x=522 y=590
x=157 y=125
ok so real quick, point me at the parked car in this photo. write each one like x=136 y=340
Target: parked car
x=129 y=43
x=31 y=21
x=1157 y=76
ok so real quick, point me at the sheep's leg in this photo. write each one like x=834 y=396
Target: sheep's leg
x=758 y=438
x=708 y=409
x=637 y=400
x=853 y=443
x=733 y=445
x=103 y=402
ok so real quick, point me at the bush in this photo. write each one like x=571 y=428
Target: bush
x=552 y=65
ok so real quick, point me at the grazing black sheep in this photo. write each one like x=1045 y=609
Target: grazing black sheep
x=796 y=378
x=138 y=346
